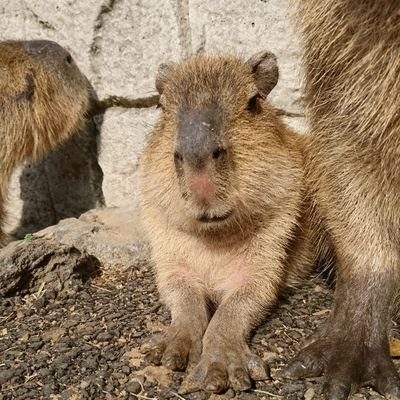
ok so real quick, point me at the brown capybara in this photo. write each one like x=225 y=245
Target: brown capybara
x=352 y=61
x=43 y=99
x=221 y=181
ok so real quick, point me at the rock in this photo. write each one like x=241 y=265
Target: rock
x=104 y=337
x=309 y=394
x=65 y=255
x=113 y=235
x=43 y=264
x=133 y=387
x=229 y=394
x=6 y=375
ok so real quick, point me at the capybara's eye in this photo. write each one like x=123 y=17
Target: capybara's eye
x=219 y=154
x=69 y=59
x=252 y=105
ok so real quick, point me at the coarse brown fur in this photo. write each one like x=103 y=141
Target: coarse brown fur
x=43 y=99
x=352 y=60
x=231 y=254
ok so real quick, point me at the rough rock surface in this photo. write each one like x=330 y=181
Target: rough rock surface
x=86 y=341
x=27 y=267
x=66 y=254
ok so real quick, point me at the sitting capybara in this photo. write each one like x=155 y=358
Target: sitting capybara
x=223 y=201
x=43 y=100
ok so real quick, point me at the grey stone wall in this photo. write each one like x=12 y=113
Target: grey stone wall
x=119 y=44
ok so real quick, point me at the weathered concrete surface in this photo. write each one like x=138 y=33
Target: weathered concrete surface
x=119 y=44
x=121 y=143
x=64 y=255
x=247 y=27
x=130 y=42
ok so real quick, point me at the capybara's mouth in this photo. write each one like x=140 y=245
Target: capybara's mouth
x=206 y=217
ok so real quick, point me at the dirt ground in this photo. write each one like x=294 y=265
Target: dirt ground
x=86 y=344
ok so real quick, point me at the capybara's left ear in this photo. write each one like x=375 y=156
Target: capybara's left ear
x=163 y=71
x=264 y=68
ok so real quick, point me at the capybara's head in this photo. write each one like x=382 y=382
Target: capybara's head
x=218 y=154
x=43 y=94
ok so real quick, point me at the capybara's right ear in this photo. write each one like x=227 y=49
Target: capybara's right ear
x=163 y=71
x=265 y=71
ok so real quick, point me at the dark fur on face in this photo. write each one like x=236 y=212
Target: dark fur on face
x=206 y=102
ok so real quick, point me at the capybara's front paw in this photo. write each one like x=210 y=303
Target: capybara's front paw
x=346 y=365
x=225 y=366
x=176 y=349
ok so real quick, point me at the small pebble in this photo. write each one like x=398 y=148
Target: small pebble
x=309 y=394
x=104 y=337
x=133 y=387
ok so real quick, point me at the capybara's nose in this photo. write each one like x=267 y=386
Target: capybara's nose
x=198 y=141
x=48 y=50
x=198 y=157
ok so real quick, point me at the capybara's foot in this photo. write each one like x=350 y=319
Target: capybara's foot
x=347 y=364
x=176 y=349
x=226 y=365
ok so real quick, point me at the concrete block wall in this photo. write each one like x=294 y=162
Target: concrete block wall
x=119 y=44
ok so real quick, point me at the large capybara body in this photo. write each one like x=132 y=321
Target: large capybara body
x=352 y=60
x=223 y=199
x=43 y=99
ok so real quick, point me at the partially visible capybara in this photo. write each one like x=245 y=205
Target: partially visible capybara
x=43 y=100
x=223 y=200
x=352 y=60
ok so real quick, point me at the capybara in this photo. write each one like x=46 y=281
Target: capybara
x=43 y=100
x=352 y=69
x=221 y=181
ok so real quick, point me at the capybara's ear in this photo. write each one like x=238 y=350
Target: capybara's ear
x=162 y=73
x=265 y=70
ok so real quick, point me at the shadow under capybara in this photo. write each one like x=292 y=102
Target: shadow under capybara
x=43 y=100
x=352 y=61
x=221 y=181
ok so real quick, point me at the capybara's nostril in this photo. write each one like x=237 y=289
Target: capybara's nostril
x=198 y=157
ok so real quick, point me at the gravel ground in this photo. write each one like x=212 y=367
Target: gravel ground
x=86 y=344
